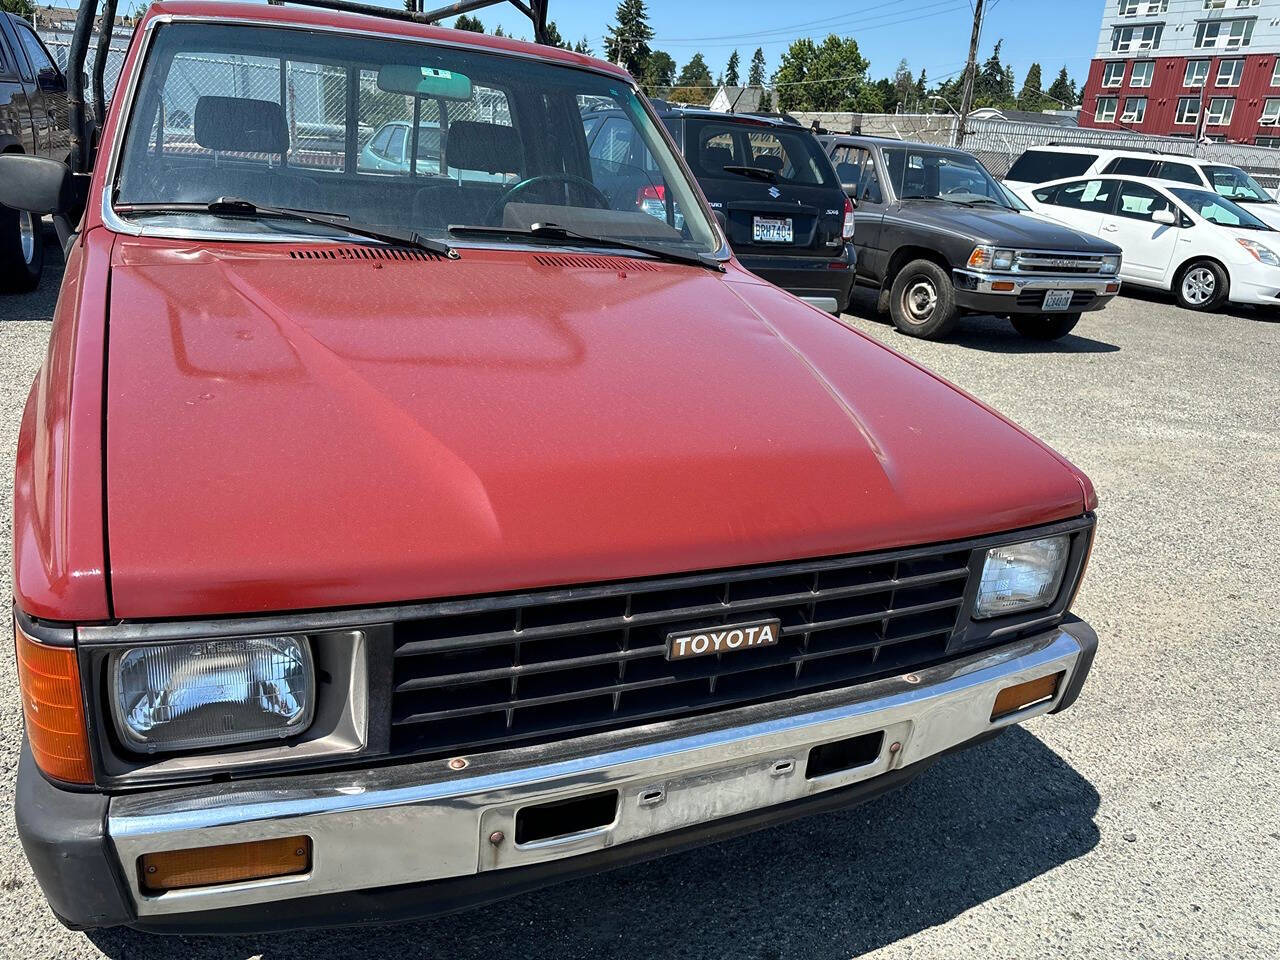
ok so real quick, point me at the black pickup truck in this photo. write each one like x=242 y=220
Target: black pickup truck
x=33 y=120
x=939 y=237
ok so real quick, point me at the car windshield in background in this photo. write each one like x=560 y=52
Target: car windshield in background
x=1234 y=184
x=935 y=175
x=771 y=153
x=1218 y=209
x=402 y=136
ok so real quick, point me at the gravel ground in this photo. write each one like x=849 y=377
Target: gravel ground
x=1145 y=822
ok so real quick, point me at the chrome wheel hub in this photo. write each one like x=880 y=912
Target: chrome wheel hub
x=1198 y=285
x=27 y=235
x=920 y=300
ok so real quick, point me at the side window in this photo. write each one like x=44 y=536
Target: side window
x=869 y=190
x=1046 y=194
x=379 y=144
x=1139 y=202
x=395 y=147
x=1130 y=167
x=40 y=59
x=1092 y=195
x=1182 y=172
x=613 y=145
x=6 y=68
x=718 y=150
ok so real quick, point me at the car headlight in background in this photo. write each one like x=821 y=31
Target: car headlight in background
x=1260 y=253
x=211 y=693
x=1021 y=576
x=1110 y=263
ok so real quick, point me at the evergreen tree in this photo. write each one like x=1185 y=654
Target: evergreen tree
x=755 y=76
x=1063 y=90
x=659 y=71
x=498 y=31
x=470 y=24
x=904 y=85
x=766 y=102
x=988 y=85
x=553 y=36
x=695 y=73
x=1032 y=96
x=583 y=47
x=731 y=70
x=922 y=89
x=627 y=41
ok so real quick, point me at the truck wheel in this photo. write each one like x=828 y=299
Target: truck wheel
x=1053 y=326
x=1201 y=285
x=21 y=251
x=922 y=301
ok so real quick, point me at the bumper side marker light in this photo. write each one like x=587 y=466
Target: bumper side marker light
x=228 y=863
x=1023 y=695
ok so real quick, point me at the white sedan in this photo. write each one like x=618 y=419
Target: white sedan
x=1201 y=246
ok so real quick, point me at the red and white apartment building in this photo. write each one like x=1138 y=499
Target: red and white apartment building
x=1207 y=69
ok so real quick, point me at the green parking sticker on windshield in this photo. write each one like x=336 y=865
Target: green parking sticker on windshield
x=419 y=81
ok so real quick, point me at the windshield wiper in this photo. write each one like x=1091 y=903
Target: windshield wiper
x=760 y=173
x=555 y=232
x=922 y=196
x=994 y=203
x=236 y=207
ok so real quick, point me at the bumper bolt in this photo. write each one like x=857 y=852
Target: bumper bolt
x=497 y=837
x=911 y=678
x=895 y=747
x=151 y=869
x=458 y=763
x=300 y=852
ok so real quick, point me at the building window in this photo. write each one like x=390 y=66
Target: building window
x=1270 y=112
x=1135 y=108
x=1248 y=3
x=1142 y=73
x=1105 y=111
x=1113 y=73
x=1275 y=74
x=1188 y=110
x=1220 y=111
x=1214 y=4
x=1272 y=142
x=1230 y=72
x=1221 y=33
x=1142 y=8
x=1146 y=37
x=1197 y=73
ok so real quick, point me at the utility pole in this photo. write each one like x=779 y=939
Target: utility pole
x=970 y=72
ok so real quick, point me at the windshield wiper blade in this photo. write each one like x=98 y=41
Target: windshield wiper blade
x=237 y=207
x=760 y=173
x=922 y=196
x=555 y=232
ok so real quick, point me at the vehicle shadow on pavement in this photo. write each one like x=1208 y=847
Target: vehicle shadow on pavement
x=833 y=886
x=1241 y=311
x=992 y=334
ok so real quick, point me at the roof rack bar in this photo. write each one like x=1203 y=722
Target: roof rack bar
x=535 y=10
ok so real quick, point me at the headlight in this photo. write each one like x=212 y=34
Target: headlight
x=210 y=693
x=1111 y=263
x=1021 y=576
x=1003 y=260
x=1260 y=253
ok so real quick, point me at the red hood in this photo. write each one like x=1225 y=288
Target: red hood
x=288 y=433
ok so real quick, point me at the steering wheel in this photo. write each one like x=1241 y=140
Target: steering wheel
x=516 y=190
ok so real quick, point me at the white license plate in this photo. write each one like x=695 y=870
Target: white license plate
x=1057 y=300
x=772 y=230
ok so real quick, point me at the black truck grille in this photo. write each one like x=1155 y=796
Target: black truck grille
x=517 y=670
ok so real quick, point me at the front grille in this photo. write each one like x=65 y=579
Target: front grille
x=1052 y=261
x=1034 y=298
x=518 y=670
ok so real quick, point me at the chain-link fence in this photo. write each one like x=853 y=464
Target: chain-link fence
x=59 y=44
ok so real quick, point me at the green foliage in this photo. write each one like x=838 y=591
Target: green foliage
x=659 y=70
x=583 y=47
x=627 y=41
x=731 y=70
x=695 y=73
x=22 y=8
x=1031 y=97
x=468 y=23
x=695 y=95
x=1063 y=91
x=829 y=76
x=755 y=76
x=766 y=102
x=553 y=36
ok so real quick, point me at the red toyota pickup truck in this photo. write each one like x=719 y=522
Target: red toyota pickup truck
x=392 y=540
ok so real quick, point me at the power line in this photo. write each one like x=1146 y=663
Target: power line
x=790 y=29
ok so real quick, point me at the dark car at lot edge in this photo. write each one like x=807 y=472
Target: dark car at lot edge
x=938 y=236
x=786 y=216
x=388 y=542
x=33 y=121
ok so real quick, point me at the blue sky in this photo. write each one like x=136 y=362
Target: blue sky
x=933 y=34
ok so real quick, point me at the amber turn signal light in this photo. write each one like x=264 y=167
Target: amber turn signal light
x=1023 y=695
x=228 y=863
x=50 y=682
x=1002 y=286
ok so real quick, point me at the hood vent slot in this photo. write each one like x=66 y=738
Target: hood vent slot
x=592 y=262
x=364 y=253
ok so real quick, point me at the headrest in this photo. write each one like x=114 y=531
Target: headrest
x=716 y=158
x=847 y=172
x=770 y=161
x=487 y=147
x=241 y=125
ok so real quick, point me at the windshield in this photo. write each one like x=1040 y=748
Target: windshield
x=1218 y=209
x=921 y=173
x=399 y=135
x=1234 y=184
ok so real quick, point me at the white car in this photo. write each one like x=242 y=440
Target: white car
x=1189 y=240
x=1056 y=161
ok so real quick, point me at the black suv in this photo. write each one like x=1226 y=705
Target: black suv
x=33 y=120
x=938 y=237
x=782 y=206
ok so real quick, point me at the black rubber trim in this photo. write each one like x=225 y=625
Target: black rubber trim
x=63 y=834
x=1088 y=640
x=50 y=634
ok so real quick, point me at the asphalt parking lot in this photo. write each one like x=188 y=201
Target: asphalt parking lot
x=1145 y=822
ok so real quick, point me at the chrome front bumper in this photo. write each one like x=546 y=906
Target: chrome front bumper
x=425 y=821
x=974 y=281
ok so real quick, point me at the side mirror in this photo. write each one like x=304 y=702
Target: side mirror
x=1166 y=216
x=36 y=184
x=51 y=80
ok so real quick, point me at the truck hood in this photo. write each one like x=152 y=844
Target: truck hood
x=1005 y=228
x=288 y=431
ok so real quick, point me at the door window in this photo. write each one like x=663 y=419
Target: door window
x=36 y=53
x=1182 y=172
x=1137 y=201
x=1093 y=196
x=1130 y=167
x=614 y=143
